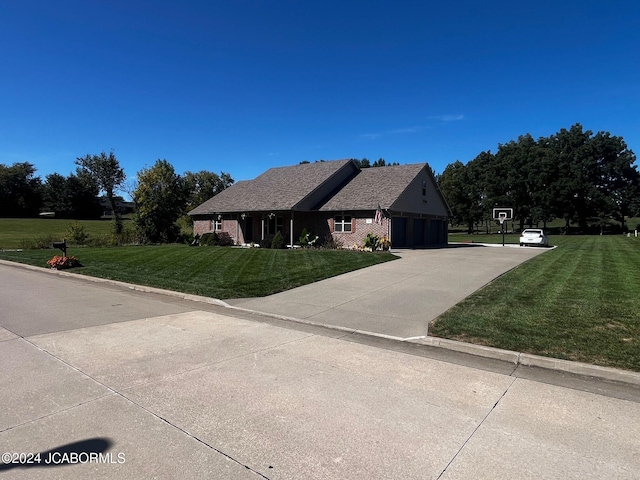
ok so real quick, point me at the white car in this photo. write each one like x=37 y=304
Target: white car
x=534 y=236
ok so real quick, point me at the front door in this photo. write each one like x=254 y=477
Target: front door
x=248 y=230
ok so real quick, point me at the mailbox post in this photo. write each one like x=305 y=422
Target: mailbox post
x=61 y=245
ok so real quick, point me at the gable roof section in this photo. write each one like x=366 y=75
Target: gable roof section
x=373 y=186
x=280 y=188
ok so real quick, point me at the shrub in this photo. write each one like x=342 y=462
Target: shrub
x=43 y=241
x=307 y=239
x=128 y=236
x=224 y=239
x=77 y=233
x=330 y=243
x=100 y=241
x=372 y=242
x=304 y=238
x=209 y=239
x=27 y=244
x=278 y=241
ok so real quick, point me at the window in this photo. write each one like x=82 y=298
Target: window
x=342 y=223
x=424 y=188
x=274 y=224
x=216 y=225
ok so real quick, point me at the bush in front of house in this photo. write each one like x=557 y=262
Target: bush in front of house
x=372 y=242
x=216 y=239
x=330 y=243
x=278 y=241
x=209 y=239
x=224 y=239
x=307 y=239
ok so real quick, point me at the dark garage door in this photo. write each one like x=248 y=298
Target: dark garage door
x=398 y=232
x=419 y=227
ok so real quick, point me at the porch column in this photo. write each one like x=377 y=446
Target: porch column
x=291 y=229
x=262 y=228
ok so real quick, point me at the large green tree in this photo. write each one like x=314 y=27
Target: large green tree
x=160 y=198
x=74 y=196
x=463 y=191
x=616 y=176
x=203 y=185
x=20 y=190
x=583 y=178
x=106 y=172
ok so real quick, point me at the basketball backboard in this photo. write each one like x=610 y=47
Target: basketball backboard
x=503 y=214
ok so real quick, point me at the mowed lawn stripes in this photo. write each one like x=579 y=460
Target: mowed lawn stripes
x=577 y=302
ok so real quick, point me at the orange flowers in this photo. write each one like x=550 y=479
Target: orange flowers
x=60 y=263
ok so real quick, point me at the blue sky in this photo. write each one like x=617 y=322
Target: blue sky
x=242 y=86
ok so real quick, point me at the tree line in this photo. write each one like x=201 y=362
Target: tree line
x=588 y=180
x=160 y=195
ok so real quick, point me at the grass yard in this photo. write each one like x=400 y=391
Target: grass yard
x=219 y=272
x=15 y=231
x=579 y=301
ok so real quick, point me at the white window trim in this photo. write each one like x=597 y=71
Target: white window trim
x=339 y=225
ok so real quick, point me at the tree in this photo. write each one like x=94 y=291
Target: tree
x=71 y=197
x=160 y=199
x=463 y=191
x=381 y=162
x=20 y=190
x=106 y=172
x=364 y=163
x=203 y=185
x=617 y=179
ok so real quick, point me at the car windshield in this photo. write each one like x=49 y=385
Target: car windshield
x=530 y=232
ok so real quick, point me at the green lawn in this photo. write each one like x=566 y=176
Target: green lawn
x=579 y=301
x=219 y=272
x=15 y=231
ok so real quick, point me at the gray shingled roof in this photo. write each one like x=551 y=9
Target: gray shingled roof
x=373 y=186
x=280 y=188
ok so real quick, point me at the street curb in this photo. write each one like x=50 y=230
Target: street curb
x=516 y=358
x=579 y=368
x=529 y=360
x=472 y=349
x=130 y=286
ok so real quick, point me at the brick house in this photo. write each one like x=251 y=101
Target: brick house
x=330 y=199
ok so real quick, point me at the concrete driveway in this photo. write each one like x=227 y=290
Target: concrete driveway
x=397 y=298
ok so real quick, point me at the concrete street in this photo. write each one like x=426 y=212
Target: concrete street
x=165 y=388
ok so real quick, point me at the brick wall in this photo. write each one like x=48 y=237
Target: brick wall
x=201 y=226
x=360 y=229
x=320 y=224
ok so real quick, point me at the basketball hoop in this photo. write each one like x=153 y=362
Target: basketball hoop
x=502 y=215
